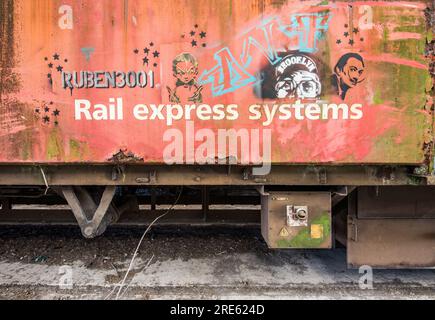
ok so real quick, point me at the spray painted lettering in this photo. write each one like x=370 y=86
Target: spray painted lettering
x=230 y=74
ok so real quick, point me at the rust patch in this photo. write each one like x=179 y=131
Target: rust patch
x=14 y=116
x=9 y=80
x=125 y=156
x=429 y=13
x=428 y=145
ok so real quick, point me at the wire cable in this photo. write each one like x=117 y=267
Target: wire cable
x=121 y=285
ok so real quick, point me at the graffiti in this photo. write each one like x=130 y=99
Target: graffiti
x=46 y=114
x=54 y=65
x=194 y=34
x=297 y=77
x=185 y=70
x=230 y=74
x=349 y=35
x=87 y=52
x=149 y=56
x=107 y=79
x=280 y=65
x=348 y=73
x=352 y=29
x=309 y=28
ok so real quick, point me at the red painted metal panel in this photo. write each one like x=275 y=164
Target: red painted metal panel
x=316 y=81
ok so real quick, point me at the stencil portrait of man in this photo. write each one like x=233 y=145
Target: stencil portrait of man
x=348 y=73
x=185 y=70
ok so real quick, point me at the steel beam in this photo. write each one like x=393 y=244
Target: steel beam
x=138 y=175
x=93 y=219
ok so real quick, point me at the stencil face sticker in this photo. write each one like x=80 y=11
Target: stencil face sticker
x=297 y=76
x=349 y=72
x=185 y=70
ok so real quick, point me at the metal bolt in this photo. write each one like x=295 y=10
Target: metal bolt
x=142 y=180
x=88 y=231
x=301 y=214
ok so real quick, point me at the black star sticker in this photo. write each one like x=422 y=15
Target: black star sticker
x=156 y=54
x=46 y=119
x=355 y=30
x=50 y=65
x=146 y=50
x=145 y=60
x=194 y=43
x=203 y=34
x=46 y=109
x=351 y=42
x=346 y=34
x=192 y=33
x=56 y=112
x=136 y=51
x=151 y=44
x=59 y=68
x=56 y=56
x=338 y=41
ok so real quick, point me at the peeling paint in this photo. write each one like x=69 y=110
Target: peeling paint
x=125 y=156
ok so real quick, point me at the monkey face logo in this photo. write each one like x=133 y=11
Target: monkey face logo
x=297 y=77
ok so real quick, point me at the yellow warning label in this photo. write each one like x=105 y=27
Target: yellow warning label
x=284 y=232
x=316 y=231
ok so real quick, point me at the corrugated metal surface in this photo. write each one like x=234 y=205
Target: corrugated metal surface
x=240 y=48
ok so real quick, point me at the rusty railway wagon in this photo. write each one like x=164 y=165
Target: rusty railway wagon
x=313 y=118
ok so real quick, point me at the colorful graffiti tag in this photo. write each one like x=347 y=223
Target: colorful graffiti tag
x=229 y=73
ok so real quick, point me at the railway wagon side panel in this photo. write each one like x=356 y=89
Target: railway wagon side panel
x=147 y=81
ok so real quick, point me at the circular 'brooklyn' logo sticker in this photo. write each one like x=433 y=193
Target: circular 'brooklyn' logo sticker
x=297 y=76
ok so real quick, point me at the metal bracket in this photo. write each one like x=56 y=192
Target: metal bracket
x=118 y=171
x=261 y=191
x=341 y=193
x=151 y=179
x=5 y=206
x=247 y=173
x=297 y=216
x=322 y=176
x=354 y=224
x=92 y=219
